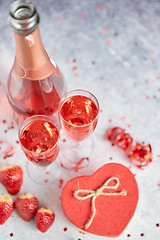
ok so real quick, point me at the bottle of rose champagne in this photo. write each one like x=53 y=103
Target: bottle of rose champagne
x=35 y=84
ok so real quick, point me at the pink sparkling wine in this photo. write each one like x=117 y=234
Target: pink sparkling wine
x=39 y=142
x=79 y=117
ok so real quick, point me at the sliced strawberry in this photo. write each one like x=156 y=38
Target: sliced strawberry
x=44 y=218
x=11 y=177
x=26 y=206
x=6 y=207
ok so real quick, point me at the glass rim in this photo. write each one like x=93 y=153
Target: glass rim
x=23 y=126
x=65 y=98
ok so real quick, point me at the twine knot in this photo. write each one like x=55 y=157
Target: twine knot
x=99 y=191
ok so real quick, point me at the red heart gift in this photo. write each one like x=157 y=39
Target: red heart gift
x=102 y=203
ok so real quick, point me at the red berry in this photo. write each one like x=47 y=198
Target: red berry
x=6 y=207
x=44 y=218
x=26 y=206
x=11 y=177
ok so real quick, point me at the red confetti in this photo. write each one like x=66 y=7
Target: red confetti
x=105 y=30
x=123 y=117
x=11 y=126
x=115 y=34
x=139 y=155
x=60 y=182
x=109 y=41
x=74 y=68
x=46 y=180
x=152 y=52
x=65 y=229
x=82 y=232
x=147 y=97
x=99 y=8
x=61 y=165
x=81 y=15
x=54 y=52
x=152 y=81
x=153 y=61
x=60 y=20
x=11 y=234
x=158 y=184
x=109 y=120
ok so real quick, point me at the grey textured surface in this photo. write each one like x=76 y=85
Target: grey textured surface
x=121 y=67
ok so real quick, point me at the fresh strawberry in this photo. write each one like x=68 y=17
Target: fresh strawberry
x=6 y=207
x=11 y=177
x=26 y=206
x=44 y=218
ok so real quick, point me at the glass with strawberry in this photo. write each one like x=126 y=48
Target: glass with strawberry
x=78 y=115
x=39 y=140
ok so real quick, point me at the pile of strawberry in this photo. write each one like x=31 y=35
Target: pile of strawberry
x=26 y=205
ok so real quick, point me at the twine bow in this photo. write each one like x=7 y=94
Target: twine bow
x=99 y=191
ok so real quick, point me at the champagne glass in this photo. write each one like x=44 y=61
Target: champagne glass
x=78 y=115
x=39 y=140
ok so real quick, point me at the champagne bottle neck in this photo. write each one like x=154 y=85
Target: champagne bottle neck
x=30 y=52
x=31 y=60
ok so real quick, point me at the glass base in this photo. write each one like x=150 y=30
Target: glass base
x=42 y=175
x=75 y=155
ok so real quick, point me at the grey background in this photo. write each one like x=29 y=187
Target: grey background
x=125 y=77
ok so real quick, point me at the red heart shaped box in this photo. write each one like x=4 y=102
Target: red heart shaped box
x=113 y=213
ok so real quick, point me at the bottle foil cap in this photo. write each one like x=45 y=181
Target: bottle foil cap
x=23 y=17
